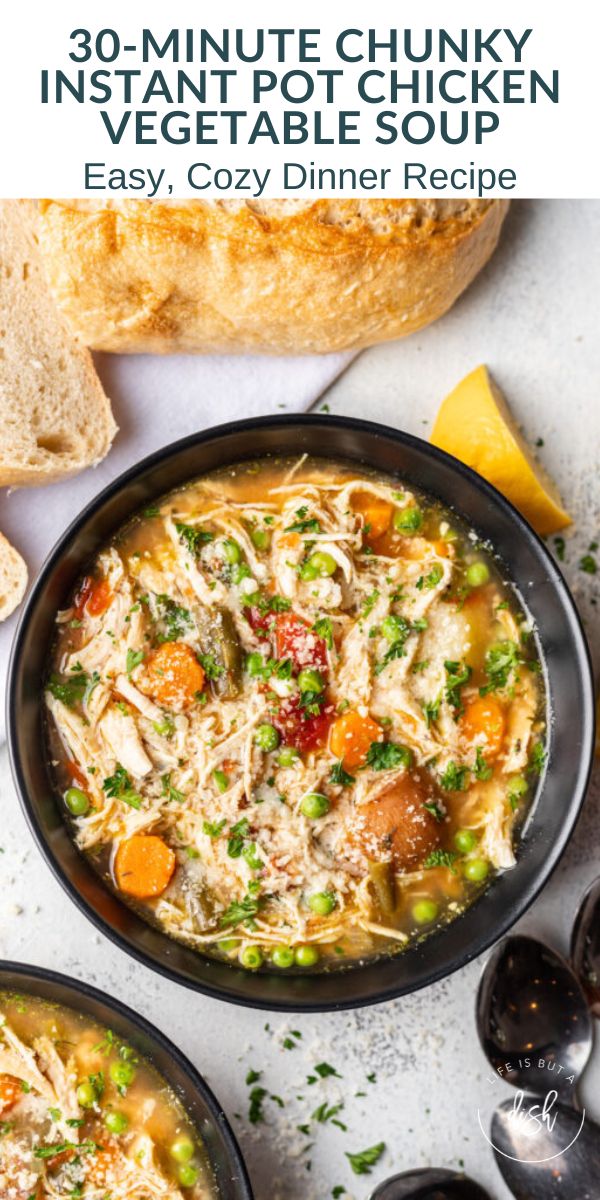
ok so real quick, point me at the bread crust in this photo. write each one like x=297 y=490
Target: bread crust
x=274 y=276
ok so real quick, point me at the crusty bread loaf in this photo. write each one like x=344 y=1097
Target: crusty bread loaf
x=283 y=276
x=54 y=416
x=13 y=578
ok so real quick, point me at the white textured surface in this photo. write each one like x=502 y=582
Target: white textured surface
x=533 y=317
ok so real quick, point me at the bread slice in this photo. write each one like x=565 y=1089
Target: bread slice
x=54 y=416
x=13 y=578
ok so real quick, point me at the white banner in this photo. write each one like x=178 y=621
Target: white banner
x=247 y=101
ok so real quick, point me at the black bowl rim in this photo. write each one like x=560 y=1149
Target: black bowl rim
x=334 y=422
x=30 y=974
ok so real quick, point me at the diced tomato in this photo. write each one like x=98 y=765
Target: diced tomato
x=262 y=622
x=296 y=640
x=93 y=597
x=301 y=731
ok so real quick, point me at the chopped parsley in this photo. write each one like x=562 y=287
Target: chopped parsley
x=457 y=675
x=385 y=756
x=213 y=829
x=170 y=791
x=120 y=787
x=255 y=1109
x=588 y=564
x=455 y=778
x=212 y=669
x=431 y=710
x=75 y=688
x=481 y=770
x=432 y=579
x=86 y=1147
x=434 y=809
x=559 y=548
x=133 y=660
x=537 y=758
x=193 y=537
x=441 y=858
x=501 y=661
x=304 y=524
x=177 y=620
x=339 y=776
x=324 y=629
x=237 y=835
x=328 y=1112
x=242 y=911
x=323 y=1070
x=362 y=1161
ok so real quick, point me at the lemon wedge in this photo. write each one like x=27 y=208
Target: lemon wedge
x=474 y=424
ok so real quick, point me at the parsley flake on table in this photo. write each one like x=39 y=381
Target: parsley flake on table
x=363 y=1160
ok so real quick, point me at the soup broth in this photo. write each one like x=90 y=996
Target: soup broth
x=82 y=1114
x=297 y=714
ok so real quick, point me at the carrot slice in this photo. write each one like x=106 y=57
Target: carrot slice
x=351 y=737
x=173 y=675
x=144 y=865
x=377 y=513
x=484 y=717
x=10 y=1092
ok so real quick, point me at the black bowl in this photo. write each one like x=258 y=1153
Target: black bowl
x=568 y=679
x=196 y=1097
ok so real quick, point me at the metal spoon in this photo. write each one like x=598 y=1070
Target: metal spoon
x=532 y=1018
x=585 y=946
x=571 y=1150
x=429 y=1184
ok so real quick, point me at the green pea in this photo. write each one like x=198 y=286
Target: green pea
x=182 y=1149
x=232 y=552
x=308 y=572
x=283 y=956
x=261 y=538
x=227 y=945
x=86 y=1094
x=116 y=1122
x=476 y=869
x=323 y=563
x=266 y=737
x=393 y=628
x=287 y=756
x=187 y=1175
x=314 y=805
x=122 y=1073
x=322 y=903
x=306 y=956
x=478 y=573
x=251 y=958
x=408 y=520
x=76 y=801
x=425 y=911
x=465 y=840
x=310 y=681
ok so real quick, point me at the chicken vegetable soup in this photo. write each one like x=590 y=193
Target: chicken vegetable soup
x=82 y=1114
x=297 y=714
